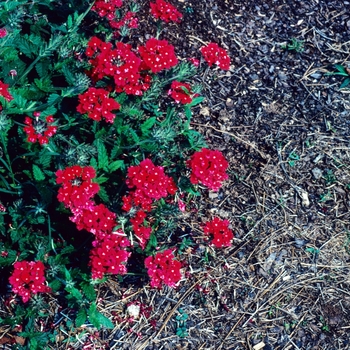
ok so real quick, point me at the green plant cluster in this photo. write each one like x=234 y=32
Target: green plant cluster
x=43 y=62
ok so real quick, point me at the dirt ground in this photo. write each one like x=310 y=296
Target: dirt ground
x=283 y=124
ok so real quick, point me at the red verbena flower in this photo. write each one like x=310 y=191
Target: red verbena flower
x=163 y=268
x=97 y=105
x=213 y=53
x=4 y=92
x=3 y=32
x=129 y=20
x=209 y=168
x=109 y=255
x=39 y=130
x=181 y=92
x=77 y=188
x=194 y=61
x=219 y=230
x=165 y=11
x=149 y=183
x=158 y=55
x=107 y=8
x=120 y=63
x=97 y=219
x=141 y=232
x=28 y=278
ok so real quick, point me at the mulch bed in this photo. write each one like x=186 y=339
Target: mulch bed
x=284 y=126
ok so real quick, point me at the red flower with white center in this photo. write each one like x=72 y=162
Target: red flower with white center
x=38 y=130
x=109 y=256
x=181 y=92
x=149 y=183
x=158 y=55
x=213 y=53
x=5 y=93
x=209 y=168
x=219 y=230
x=28 y=278
x=165 y=11
x=141 y=232
x=107 y=8
x=163 y=268
x=77 y=188
x=97 y=105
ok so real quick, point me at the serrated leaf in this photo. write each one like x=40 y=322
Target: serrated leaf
x=89 y=291
x=101 y=179
x=49 y=111
x=81 y=317
x=37 y=173
x=102 y=155
x=148 y=125
x=55 y=285
x=75 y=293
x=93 y=162
x=53 y=98
x=117 y=164
x=97 y=319
x=102 y=193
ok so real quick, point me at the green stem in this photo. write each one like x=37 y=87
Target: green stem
x=8 y=164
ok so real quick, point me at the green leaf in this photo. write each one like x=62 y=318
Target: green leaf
x=89 y=291
x=97 y=319
x=102 y=155
x=49 y=111
x=101 y=179
x=37 y=173
x=53 y=99
x=341 y=69
x=75 y=293
x=345 y=83
x=196 y=101
x=55 y=285
x=147 y=125
x=81 y=317
x=102 y=193
x=117 y=164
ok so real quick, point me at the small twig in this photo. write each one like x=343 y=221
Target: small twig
x=263 y=155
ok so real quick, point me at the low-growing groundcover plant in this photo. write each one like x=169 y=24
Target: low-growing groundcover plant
x=97 y=155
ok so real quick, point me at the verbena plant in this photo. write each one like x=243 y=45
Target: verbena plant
x=97 y=155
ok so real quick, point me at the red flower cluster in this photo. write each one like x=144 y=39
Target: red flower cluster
x=165 y=11
x=181 y=92
x=158 y=55
x=218 y=229
x=77 y=186
x=39 y=130
x=4 y=90
x=109 y=255
x=163 y=268
x=121 y=64
x=107 y=8
x=150 y=183
x=97 y=104
x=209 y=168
x=3 y=32
x=97 y=219
x=141 y=232
x=129 y=20
x=213 y=53
x=28 y=277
